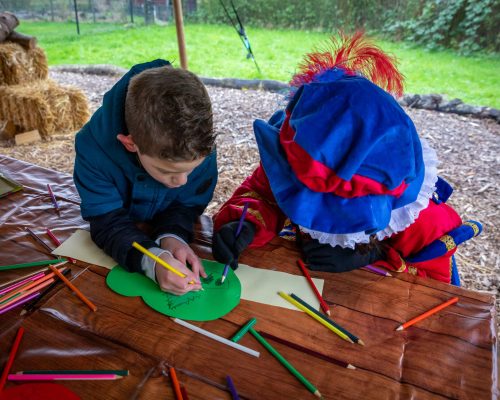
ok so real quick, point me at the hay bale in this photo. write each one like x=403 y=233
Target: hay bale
x=19 y=65
x=44 y=105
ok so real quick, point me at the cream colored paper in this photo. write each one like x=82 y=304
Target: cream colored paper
x=259 y=285
x=262 y=286
x=81 y=247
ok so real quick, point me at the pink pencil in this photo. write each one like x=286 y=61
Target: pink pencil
x=20 y=283
x=63 y=377
x=22 y=301
x=375 y=270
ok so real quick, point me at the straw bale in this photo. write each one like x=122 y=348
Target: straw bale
x=19 y=65
x=44 y=105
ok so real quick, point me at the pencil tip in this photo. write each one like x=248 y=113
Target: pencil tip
x=23 y=312
x=350 y=366
x=361 y=342
x=222 y=279
x=388 y=274
x=329 y=313
x=400 y=328
x=318 y=394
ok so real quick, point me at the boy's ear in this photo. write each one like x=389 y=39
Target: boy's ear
x=128 y=142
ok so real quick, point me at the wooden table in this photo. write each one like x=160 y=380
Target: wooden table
x=449 y=355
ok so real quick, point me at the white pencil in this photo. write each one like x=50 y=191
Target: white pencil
x=216 y=337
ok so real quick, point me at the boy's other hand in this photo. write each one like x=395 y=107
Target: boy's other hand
x=173 y=283
x=226 y=248
x=185 y=254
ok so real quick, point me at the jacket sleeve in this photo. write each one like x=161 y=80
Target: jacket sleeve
x=263 y=211
x=114 y=232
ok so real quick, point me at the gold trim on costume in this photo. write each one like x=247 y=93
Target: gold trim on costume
x=254 y=195
x=474 y=227
x=412 y=270
x=448 y=242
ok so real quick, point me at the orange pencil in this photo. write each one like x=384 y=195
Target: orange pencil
x=175 y=383
x=91 y=305
x=322 y=302
x=427 y=313
x=26 y=293
x=12 y=355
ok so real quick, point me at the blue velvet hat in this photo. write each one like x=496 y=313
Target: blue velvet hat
x=343 y=155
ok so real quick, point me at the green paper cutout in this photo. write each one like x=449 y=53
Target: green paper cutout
x=205 y=305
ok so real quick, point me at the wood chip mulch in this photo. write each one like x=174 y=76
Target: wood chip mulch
x=469 y=150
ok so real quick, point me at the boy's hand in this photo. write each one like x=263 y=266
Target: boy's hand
x=185 y=255
x=173 y=283
x=226 y=248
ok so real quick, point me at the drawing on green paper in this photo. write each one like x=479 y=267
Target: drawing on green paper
x=213 y=302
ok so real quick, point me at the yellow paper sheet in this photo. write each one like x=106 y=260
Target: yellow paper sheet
x=81 y=247
x=259 y=285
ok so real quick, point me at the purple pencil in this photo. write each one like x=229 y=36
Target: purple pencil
x=238 y=231
x=20 y=283
x=232 y=388
x=18 y=303
x=376 y=270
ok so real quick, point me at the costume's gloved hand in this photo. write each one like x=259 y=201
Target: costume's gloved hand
x=226 y=247
x=323 y=257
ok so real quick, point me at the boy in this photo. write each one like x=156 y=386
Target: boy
x=344 y=163
x=148 y=155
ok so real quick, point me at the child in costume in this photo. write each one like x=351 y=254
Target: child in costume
x=148 y=156
x=343 y=163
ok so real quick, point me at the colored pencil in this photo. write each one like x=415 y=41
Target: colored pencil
x=20 y=302
x=57 y=242
x=20 y=278
x=39 y=240
x=285 y=363
x=21 y=282
x=315 y=316
x=307 y=350
x=31 y=264
x=91 y=305
x=52 y=197
x=27 y=285
x=354 y=338
x=232 y=388
x=11 y=358
x=64 y=377
x=184 y=393
x=427 y=313
x=238 y=231
x=322 y=302
x=29 y=307
x=375 y=270
x=213 y=336
x=24 y=294
x=175 y=383
x=121 y=372
x=160 y=261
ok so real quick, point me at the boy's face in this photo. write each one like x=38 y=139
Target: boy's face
x=172 y=174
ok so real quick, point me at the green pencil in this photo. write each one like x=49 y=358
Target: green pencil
x=121 y=372
x=285 y=363
x=31 y=264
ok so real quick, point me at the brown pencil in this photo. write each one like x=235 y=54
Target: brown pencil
x=39 y=240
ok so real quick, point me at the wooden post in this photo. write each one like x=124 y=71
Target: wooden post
x=179 y=26
x=131 y=5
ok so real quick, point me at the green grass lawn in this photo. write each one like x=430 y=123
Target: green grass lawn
x=216 y=51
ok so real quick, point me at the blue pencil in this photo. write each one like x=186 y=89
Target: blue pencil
x=238 y=231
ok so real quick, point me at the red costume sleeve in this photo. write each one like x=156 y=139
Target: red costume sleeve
x=263 y=211
x=432 y=223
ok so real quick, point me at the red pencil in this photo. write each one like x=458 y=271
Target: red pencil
x=57 y=242
x=12 y=355
x=322 y=302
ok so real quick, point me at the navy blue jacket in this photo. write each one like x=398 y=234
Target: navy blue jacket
x=116 y=192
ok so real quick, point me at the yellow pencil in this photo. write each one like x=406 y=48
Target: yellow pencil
x=163 y=263
x=316 y=317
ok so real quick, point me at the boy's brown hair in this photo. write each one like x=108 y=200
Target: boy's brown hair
x=169 y=114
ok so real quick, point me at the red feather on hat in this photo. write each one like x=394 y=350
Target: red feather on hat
x=355 y=55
